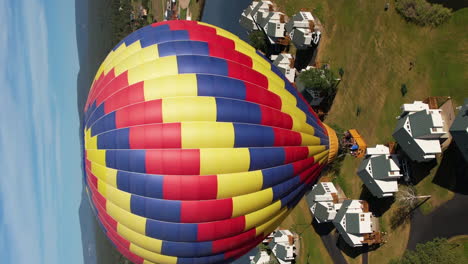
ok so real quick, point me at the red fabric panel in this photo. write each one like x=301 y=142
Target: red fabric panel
x=233 y=242
x=138 y=114
x=241 y=251
x=205 y=211
x=273 y=117
x=260 y=95
x=183 y=25
x=132 y=94
x=306 y=174
x=93 y=89
x=301 y=165
x=315 y=175
x=296 y=153
x=240 y=72
x=220 y=229
x=221 y=52
x=156 y=136
x=113 y=86
x=284 y=137
x=101 y=84
x=173 y=161
x=184 y=187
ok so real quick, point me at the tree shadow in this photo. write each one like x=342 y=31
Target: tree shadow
x=322 y=229
x=305 y=57
x=452 y=173
x=399 y=217
x=378 y=206
x=452 y=4
x=419 y=170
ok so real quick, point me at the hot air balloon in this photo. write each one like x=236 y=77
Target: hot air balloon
x=196 y=147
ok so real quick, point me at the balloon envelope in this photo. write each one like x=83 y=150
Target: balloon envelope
x=196 y=146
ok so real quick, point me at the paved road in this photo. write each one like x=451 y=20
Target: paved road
x=365 y=258
x=330 y=240
x=450 y=219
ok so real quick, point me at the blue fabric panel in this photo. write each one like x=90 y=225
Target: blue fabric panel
x=214 y=259
x=127 y=160
x=288 y=200
x=91 y=109
x=115 y=139
x=148 y=185
x=178 y=48
x=158 y=209
x=163 y=36
x=218 y=86
x=247 y=135
x=171 y=231
x=261 y=158
x=202 y=64
x=275 y=175
x=189 y=249
x=324 y=142
x=228 y=110
x=104 y=124
x=283 y=188
x=98 y=113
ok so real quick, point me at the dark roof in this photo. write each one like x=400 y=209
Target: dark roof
x=352 y=223
x=380 y=167
x=407 y=142
x=281 y=251
x=458 y=130
x=368 y=180
x=421 y=124
x=321 y=212
x=337 y=221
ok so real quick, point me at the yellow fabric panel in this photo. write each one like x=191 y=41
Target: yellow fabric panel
x=272 y=223
x=286 y=97
x=207 y=135
x=292 y=110
x=309 y=140
x=321 y=155
x=151 y=256
x=225 y=160
x=90 y=142
x=235 y=184
x=122 y=54
x=149 y=53
x=145 y=242
x=102 y=188
x=314 y=150
x=106 y=174
x=132 y=221
x=171 y=86
x=108 y=59
x=180 y=109
x=148 y=262
x=116 y=196
x=97 y=156
x=323 y=160
x=153 y=69
x=252 y=220
x=245 y=204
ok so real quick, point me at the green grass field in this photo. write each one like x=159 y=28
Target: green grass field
x=375 y=49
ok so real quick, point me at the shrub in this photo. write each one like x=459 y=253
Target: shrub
x=322 y=80
x=403 y=90
x=257 y=40
x=422 y=13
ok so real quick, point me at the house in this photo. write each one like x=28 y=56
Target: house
x=261 y=258
x=324 y=201
x=283 y=247
x=285 y=63
x=272 y=23
x=459 y=130
x=302 y=30
x=356 y=225
x=419 y=130
x=249 y=15
x=380 y=171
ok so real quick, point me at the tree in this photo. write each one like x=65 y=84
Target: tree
x=403 y=89
x=321 y=80
x=257 y=40
x=436 y=251
x=408 y=197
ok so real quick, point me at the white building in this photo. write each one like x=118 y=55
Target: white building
x=323 y=201
x=380 y=171
x=249 y=15
x=419 y=130
x=261 y=258
x=285 y=63
x=272 y=23
x=283 y=247
x=302 y=30
x=356 y=225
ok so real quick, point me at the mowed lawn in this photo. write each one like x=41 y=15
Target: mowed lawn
x=375 y=48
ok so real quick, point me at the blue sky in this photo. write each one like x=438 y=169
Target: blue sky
x=40 y=179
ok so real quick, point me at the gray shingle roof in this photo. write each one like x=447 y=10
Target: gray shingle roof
x=368 y=180
x=421 y=124
x=321 y=212
x=281 y=251
x=352 y=223
x=407 y=142
x=458 y=130
x=337 y=221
